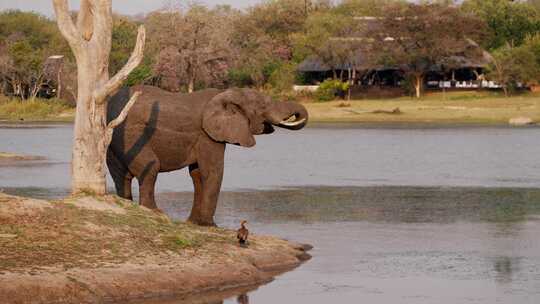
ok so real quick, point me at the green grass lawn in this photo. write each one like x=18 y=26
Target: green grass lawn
x=454 y=107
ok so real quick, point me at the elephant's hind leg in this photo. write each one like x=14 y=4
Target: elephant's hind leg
x=147 y=181
x=120 y=175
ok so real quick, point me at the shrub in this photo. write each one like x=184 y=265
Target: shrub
x=330 y=88
x=139 y=75
x=239 y=78
x=283 y=78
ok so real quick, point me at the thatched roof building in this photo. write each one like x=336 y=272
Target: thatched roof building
x=360 y=68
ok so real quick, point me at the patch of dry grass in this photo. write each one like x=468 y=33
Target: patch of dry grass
x=454 y=107
x=65 y=235
x=37 y=109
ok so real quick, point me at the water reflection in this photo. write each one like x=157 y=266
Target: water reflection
x=371 y=204
x=237 y=295
x=505 y=267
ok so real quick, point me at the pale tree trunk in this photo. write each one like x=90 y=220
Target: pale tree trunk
x=191 y=83
x=36 y=87
x=419 y=79
x=90 y=41
x=501 y=78
x=17 y=89
x=59 y=84
x=505 y=90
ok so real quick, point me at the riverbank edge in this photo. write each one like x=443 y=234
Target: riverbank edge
x=4 y=156
x=376 y=119
x=148 y=278
x=320 y=121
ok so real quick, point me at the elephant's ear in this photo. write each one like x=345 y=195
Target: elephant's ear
x=224 y=119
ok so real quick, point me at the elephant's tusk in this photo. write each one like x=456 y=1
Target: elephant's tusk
x=292 y=123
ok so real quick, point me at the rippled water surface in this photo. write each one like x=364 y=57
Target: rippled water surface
x=396 y=215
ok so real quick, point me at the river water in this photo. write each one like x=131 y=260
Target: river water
x=395 y=214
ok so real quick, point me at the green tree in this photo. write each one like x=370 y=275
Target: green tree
x=26 y=40
x=263 y=36
x=124 y=35
x=509 y=22
x=356 y=8
x=513 y=67
x=418 y=37
x=330 y=37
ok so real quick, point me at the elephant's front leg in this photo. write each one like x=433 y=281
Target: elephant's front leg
x=207 y=182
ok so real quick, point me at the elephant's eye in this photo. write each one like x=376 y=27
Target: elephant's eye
x=232 y=108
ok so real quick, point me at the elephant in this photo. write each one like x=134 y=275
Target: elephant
x=167 y=131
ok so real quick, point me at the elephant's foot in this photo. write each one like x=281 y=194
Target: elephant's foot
x=127 y=197
x=198 y=220
x=158 y=211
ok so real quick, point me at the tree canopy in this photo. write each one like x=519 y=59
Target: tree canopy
x=419 y=38
x=194 y=46
x=509 y=22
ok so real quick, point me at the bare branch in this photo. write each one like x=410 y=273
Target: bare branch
x=123 y=114
x=116 y=81
x=85 y=22
x=65 y=23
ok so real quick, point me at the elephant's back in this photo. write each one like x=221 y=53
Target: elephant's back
x=160 y=123
x=157 y=103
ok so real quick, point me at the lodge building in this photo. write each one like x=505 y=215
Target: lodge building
x=464 y=71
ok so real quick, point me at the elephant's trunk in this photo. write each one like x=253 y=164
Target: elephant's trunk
x=289 y=115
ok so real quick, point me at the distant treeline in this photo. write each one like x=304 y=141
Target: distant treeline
x=192 y=47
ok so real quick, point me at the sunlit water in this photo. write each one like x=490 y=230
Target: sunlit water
x=396 y=215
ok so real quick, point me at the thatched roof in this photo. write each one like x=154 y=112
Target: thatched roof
x=357 y=61
x=313 y=64
x=473 y=56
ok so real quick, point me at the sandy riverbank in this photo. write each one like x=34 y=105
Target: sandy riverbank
x=91 y=250
x=11 y=158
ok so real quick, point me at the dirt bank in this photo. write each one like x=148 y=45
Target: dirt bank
x=10 y=158
x=98 y=250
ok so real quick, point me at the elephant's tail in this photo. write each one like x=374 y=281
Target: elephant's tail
x=119 y=172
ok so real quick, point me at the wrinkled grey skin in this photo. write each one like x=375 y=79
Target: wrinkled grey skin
x=170 y=131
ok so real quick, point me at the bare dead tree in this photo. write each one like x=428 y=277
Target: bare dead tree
x=90 y=40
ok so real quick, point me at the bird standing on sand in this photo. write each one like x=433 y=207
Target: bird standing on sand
x=242 y=234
